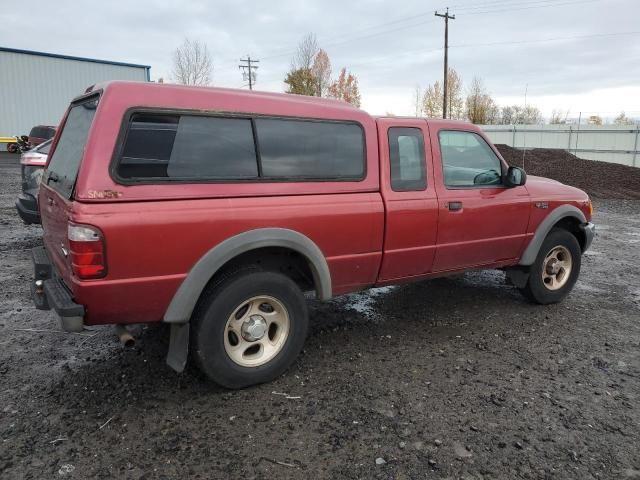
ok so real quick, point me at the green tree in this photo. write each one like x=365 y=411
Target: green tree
x=301 y=82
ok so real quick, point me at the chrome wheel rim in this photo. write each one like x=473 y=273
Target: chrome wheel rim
x=256 y=331
x=556 y=268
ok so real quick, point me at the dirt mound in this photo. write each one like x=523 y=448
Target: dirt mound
x=598 y=179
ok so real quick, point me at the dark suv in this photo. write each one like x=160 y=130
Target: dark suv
x=40 y=134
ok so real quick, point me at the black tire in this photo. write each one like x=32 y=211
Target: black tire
x=536 y=290
x=210 y=320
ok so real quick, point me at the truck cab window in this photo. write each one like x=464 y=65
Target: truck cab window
x=468 y=161
x=407 y=159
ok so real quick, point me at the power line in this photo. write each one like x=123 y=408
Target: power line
x=507 y=6
x=248 y=70
x=501 y=10
x=446 y=17
x=360 y=37
x=518 y=42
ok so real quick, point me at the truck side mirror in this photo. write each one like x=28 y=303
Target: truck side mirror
x=515 y=177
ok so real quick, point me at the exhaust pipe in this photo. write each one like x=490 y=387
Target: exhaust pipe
x=126 y=339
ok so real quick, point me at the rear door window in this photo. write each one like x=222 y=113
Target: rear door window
x=407 y=159
x=65 y=162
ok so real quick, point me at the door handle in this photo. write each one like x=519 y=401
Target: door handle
x=454 y=206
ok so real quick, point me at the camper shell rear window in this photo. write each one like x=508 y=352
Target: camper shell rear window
x=63 y=167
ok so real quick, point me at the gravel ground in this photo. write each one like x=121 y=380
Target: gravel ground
x=452 y=378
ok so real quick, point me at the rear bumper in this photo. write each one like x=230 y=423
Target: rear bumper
x=589 y=230
x=48 y=291
x=27 y=207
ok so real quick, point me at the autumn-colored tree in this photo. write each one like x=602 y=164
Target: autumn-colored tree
x=595 y=120
x=301 y=82
x=345 y=87
x=432 y=101
x=622 y=119
x=455 y=100
x=432 y=98
x=321 y=71
x=481 y=108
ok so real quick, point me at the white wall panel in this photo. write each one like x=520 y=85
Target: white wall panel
x=36 y=89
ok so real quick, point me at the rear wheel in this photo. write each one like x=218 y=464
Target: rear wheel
x=250 y=328
x=556 y=268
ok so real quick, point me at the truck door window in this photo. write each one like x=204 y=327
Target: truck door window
x=407 y=159
x=468 y=161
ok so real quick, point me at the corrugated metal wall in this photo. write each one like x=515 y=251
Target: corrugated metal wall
x=36 y=89
x=606 y=143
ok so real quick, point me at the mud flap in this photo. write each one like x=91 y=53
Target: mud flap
x=178 y=347
x=518 y=276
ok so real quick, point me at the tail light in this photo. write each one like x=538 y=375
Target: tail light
x=33 y=159
x=86 y=251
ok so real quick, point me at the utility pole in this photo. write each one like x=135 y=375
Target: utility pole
x=249 y=70
x=446 y=17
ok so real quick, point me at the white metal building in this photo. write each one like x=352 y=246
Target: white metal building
x=36 y=87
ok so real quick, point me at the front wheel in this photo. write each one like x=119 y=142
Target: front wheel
x=249 y=328
x=555 y=270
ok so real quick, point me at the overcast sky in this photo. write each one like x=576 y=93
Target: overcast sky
x=577 y=55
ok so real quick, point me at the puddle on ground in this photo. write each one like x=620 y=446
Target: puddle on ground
x=363 y=302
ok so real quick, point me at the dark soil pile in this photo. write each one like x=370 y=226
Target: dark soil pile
x=598 y=179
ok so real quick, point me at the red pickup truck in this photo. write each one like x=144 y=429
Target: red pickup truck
x=214 y=210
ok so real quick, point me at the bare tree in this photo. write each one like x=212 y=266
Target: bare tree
x=307 y=50
x=519 y=115
x=192 y=64
x=417 y=101
x=558 y=117
x=622 y=119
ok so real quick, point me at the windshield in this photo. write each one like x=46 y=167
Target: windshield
x=65 y=162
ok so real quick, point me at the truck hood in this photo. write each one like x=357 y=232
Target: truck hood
x=542 y=186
